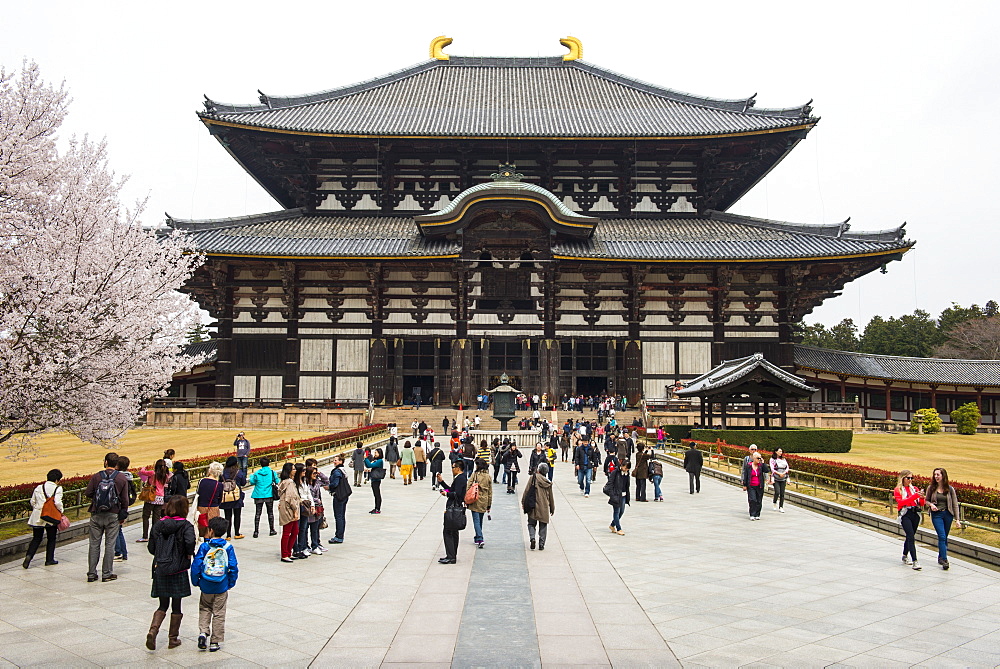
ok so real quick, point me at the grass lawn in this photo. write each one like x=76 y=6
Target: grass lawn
x=968 y=458
x=143 y=446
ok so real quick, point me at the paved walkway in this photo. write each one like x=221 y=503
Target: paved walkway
x=692 y=583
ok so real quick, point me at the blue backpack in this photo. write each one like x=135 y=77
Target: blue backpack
x=215 y=564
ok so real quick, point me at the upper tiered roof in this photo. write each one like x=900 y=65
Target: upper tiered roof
x=898 y=368
x=507 y=97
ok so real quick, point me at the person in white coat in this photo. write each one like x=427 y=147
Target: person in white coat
x=41 y=527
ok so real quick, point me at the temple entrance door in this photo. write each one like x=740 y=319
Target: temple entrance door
x=424 y=385
x=591 y=385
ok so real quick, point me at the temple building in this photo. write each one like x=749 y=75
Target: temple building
x=543 y=217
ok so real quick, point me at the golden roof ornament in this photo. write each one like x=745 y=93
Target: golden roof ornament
x=575 y=48
x=437 y=47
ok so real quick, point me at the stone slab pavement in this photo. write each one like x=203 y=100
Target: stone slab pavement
x=692 y=583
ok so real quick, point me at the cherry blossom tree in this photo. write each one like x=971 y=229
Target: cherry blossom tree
x=91 y=323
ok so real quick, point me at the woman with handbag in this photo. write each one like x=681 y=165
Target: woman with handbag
x=154 y=483
x=46 y=515
x=171 y=543
x=942 y=500
x=301 y=477
x=482 y=483
x=407 y=459
x=289 y=505
x=317 y=518
x=375 y=466
x=209 y=498
x=265 y=491
x=909 y=501
x=454 y=511
x=233 y=480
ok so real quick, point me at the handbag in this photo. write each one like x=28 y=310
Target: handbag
x=50 y=512
x=472 y=494
x=64 y=524
x=148 y=493
x=454 y=518
x=376 y=473
x=230 y=492
x=203 y=520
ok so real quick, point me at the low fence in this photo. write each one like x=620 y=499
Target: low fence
x=525 y=439
x=75 y=505
x=855 y=492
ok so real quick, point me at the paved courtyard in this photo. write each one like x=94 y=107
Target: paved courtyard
x=692 y=583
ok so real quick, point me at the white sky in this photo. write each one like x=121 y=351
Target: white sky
x=907 y=92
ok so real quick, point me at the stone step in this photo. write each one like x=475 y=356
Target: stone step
x=433 y=416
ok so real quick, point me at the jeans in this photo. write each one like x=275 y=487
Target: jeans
x=313 y=537
x=583 y=479
x=942 y=521
x=618 y=511
x=340 y=518
x=755 y=498
x=779 y=492
x=477 y=525
x=909 y=523
x=302 y=536
x=552 y=471
x=121 y=548
x=694 y=480
x=656 y=486
x=243 y=461
x=103 y=526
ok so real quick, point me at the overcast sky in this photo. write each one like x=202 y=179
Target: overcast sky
x=907 y=93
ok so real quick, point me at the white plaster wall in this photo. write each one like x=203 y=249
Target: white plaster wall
x=270 y=387
x=352 y=355
x=244 y=387
x=259 y=331
x=658 y=357
x=316 y=355
x=655 y=388
x=315 y=387
x=695 y=357
x=352 y=388
x=314 y=317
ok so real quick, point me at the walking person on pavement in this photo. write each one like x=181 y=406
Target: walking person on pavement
x=754 y=481
x=454 y=511
x=121 y=546
x=265 y=484
x=49 y=489
x=340 y=492
x=942 y=500
x=544 y=505
x=909 y=501
x=581 y=463
x=154 y=479
x=484 y=502
x=511 y=468
x=375 y=465
x=693 y=462
x=392 y=457
x=420 y=460
x=407 y=460
x=436 y=458
x=171 y=543
x=618 y=492
x=779 y=478
x=641 y=473
x=656 y=476
x=215 y=570
x=358 y=464
x=536 y=458
x=108 y=491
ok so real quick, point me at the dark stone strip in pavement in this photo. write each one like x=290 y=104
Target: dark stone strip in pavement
x=498 y=621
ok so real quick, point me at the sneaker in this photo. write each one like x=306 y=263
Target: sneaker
x=335 y=540
x=272 y=533
x=906 y=560
x=202 y=641
x=774 y=506
x=944 y=564
x=916 y=567
x=317 y=551
x=141 y=541
x=288 y=559
x=586 y=494
x=213 y=647
x=322 y=549
x=120 y=558
x=781 y=509
x=482 y=544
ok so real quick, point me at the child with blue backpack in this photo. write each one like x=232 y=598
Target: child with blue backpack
x=215 y=571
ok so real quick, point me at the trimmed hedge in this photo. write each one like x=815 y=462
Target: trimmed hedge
x=677 y=432
x=793 y=440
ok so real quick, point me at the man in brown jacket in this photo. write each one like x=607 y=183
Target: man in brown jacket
x=540 y=488
x=641 y=473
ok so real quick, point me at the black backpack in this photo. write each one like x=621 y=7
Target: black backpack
x=343 y=489
x=530 y=497
x=106 y=496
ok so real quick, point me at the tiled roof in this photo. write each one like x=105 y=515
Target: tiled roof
x=922 y=370
x=731 y=371
x=682 y=237
x=507 y=97
x=207 y=348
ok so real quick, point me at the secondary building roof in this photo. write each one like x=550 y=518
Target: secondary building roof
x=507 y=97
x=943 y=371
x=731 y=373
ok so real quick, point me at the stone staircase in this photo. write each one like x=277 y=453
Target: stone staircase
x=433 y=416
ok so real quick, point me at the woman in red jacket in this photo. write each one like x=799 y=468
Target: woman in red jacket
x=909 y=501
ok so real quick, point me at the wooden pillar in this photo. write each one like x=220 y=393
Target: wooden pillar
x=397 y=380
x=722 y=413
x=484 y=357
x=784 y=412
x=377 y=356
x=462 y=380
x=888 y=400
x=222 y=279
x=934 y=396
x=549 y=360
x=633 y=372
x=756 y=414
x=843 y=389
x=767 y=415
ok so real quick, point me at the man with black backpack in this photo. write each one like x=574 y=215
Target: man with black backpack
x=108 y=491
x=340 y=490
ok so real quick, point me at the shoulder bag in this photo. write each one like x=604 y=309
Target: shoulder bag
x=50 y=513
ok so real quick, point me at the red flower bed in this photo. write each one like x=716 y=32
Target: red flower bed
x=21 y=493
x=869 y=476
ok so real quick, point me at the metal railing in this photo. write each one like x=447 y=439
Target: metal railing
x=855 y=492
x=75 y=505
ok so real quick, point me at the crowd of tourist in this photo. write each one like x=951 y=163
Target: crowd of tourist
x=300 y=490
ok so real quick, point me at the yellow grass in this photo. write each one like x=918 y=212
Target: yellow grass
x=143 y=446
x=968 y=458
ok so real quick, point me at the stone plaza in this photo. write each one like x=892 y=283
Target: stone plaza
x=692 y=583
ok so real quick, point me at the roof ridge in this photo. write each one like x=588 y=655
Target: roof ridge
x=232 y=222
x=826 y=230
x=891 y=357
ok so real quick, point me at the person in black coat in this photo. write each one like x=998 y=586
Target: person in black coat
x=618 y=492
x=436 y=457
x=693 y=462
x=455 y=492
